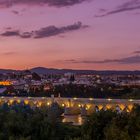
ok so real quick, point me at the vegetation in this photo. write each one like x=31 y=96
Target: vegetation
x=20 y=122
x=100 y=91
x=108 y=125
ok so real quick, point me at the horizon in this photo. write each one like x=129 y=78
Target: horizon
x=61 y=35
x=41 y=67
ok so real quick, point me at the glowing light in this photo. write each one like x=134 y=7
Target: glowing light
x=79 y=105
x=80 y=120
x=100 y=107
x=88 y=106
x=48 y=104
x=67 y=104
x=75 y=98
x=26 y=102
x=108 y=106
x=122 y=106
x=5 y=83
x=130 y=107
x=109 y=99
x=131 y=100
x=63 y=105
x=39 y=104
x=127 y=111
x=18 y=101
x=11 y=102
x=91 y=99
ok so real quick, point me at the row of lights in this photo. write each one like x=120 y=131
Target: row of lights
x=39 y=104
x=10 y=102
x=48 y=103
x=109 y=99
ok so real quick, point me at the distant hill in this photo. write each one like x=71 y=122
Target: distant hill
x=7 y=71
x=43 y=70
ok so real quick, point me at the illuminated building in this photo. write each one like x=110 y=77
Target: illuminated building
x=5 y=83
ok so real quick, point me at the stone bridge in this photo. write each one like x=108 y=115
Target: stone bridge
x=72 y=106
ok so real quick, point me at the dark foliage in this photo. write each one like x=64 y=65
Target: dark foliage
x=20 y=122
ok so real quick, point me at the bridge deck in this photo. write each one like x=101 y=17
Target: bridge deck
x=80 y=100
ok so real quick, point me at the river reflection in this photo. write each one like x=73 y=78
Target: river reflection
x=74 y=119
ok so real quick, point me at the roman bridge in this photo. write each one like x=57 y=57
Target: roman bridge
x=81 y=106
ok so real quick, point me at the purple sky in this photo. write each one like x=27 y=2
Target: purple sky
x=78 y=34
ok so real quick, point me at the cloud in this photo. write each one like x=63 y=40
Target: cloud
x=128 y=6
x=15 y=12
x=9 y=53
x=52 y=30
x=26 y=35
x=136 y=52
x=126 y=60
x=11 y=33
x=46 y=31
x=55 y=3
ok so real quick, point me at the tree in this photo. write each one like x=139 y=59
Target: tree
x=36 y=77
x=72 y=78
x=95 y=125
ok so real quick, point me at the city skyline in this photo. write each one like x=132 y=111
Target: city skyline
x=73 y=34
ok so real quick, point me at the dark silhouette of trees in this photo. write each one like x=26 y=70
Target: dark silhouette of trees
x=36 y=77
x=72 y=78
x=20 y=122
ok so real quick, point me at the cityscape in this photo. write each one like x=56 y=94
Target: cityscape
x=69 y=70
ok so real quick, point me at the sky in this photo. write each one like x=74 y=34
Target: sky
x=71 y=34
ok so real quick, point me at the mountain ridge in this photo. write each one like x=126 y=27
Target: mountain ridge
x=44 y=70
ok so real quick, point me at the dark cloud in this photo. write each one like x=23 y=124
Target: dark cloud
x=56 y=3
x=15 y=12
x=45 y=32
x=127 y=60
x=52 y=30
x=60 y=3
x=136 y=52
x=71 y=60
x=128 y=6
x=8 y=28
x=11 y=33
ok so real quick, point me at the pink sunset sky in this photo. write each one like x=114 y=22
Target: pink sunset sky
x=76 y=34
